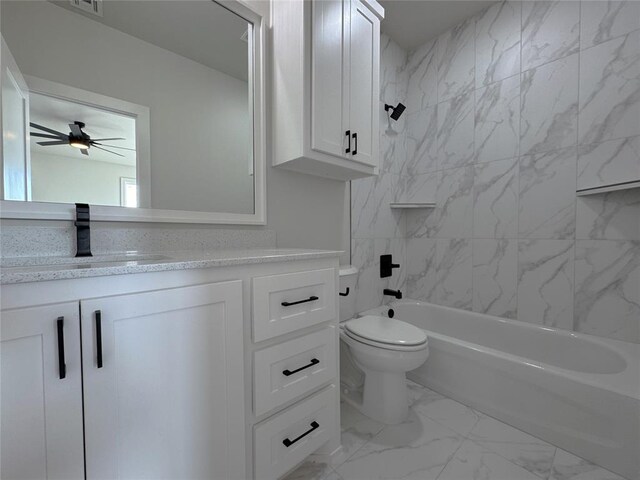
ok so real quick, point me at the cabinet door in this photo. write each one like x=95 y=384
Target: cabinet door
x=329 y=81
x=41 y=394
x=163 y=384
x=364 y=104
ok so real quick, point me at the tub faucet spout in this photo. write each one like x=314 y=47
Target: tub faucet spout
x=393 y=293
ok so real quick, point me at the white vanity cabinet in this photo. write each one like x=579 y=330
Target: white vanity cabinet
x=156 y=367
x=155 y=386
x=326 y=86
x=41 y=393
x=161 y=377
x=295 y=368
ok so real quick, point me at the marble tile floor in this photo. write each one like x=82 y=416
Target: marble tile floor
x=445 y=440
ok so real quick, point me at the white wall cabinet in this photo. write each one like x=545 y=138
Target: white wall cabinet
x=41 y=393
x=326 y=105
x=364 y=83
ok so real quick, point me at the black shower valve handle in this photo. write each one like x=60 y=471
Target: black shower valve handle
x=387 y=266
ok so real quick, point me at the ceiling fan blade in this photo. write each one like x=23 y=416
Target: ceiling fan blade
x=112 y=146
x=44 y=135
x=54 y=132
x=75 y=129
x=58 y=142
x=106 y=139
x=84 y=151
x=100 y=148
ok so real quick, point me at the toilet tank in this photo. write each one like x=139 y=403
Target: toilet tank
x=348 y=276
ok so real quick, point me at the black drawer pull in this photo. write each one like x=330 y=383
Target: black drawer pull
x=287 y=443
x=346 y=292
x=62 y=366
x=355 y=139
x=99 y=338
x=288 y=373
x=289 y=304
x=348 y=134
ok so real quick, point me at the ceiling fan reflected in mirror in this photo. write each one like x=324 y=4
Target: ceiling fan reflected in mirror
x=76 y=138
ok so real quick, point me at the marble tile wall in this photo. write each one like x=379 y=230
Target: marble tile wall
x=532 y=100
x=376 y=229
x=509 y=113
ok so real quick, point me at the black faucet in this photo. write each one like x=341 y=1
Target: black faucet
x=83 y=230
x=393 y=293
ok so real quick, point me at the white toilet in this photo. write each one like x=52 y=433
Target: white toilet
x=376 y=352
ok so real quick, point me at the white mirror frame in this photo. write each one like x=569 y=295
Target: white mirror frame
x=64 y=211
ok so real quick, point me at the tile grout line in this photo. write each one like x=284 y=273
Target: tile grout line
x=453 y=456
x=518 y=162
x=480 y=414
x=468 y=437
x=553 y=462
x=359 y=448
x=574 y=321
x=555 y=448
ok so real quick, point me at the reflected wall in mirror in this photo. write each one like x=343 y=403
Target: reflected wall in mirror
x=135 y=103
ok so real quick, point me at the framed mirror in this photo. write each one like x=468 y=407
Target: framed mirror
x=148 y=110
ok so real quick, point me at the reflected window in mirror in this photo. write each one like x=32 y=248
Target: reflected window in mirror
x=87 y=159
x=128 y=192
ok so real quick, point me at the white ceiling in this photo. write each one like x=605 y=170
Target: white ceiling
x=58 y=114
x=413 y=22
x=200 y=30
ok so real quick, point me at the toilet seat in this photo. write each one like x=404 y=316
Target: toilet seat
x=386 y=333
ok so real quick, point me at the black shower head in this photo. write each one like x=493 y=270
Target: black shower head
x=396 y=111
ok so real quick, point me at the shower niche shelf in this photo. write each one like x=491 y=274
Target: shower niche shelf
x=410 y=205
x=608 y=188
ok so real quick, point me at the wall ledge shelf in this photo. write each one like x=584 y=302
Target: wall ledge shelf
x=406 y=205
x=608 y=188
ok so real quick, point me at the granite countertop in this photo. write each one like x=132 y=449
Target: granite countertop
x=39 y=269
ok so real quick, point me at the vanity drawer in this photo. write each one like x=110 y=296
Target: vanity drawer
x=285 y=440
x=291 y=301
x=291 y=369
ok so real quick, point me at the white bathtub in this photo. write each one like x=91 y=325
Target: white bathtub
x=576 y=391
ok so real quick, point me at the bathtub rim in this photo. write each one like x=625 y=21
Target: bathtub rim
x=626 y=382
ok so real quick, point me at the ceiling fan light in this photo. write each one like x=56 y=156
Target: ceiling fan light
x=79 y=144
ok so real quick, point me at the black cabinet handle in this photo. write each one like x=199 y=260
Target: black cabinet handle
x=289 y=304
x=288 y=443
x=355 y=148
x=346 y=292
x=288 y=373
x=99 y=338
x=348 y=134
x=62 y=366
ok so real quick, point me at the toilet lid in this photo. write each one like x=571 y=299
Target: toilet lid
x=386 y=330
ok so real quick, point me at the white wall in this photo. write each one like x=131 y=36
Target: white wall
x=199 y=116
x=55 y=178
